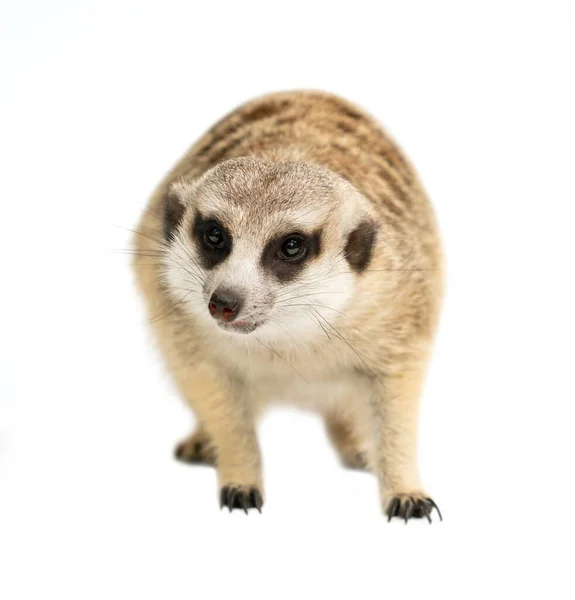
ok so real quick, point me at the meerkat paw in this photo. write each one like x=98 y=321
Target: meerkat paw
x=241 y=496
x=196 y=449
x=355 y=460
x=410 y=506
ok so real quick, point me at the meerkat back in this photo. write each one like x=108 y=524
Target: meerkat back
x=292 y=255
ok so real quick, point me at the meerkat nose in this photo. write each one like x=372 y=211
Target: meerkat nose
x=224 y=305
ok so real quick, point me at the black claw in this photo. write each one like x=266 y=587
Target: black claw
x=224 y=496
x=409 y=509
x=392 y=509
x=425 y=509
x=232 y=497
x=430 y=500
x=243 y=501
x=256 y=499
x=396 y=507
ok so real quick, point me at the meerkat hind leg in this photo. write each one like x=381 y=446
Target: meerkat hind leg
x=344 y=436
x=197 y=449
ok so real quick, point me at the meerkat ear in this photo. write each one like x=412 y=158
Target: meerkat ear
x=174 y=209
x=360 y=242
x=177 y=198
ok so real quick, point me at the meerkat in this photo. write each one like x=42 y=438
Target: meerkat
x=292 y=255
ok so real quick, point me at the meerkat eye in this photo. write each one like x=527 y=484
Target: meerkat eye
x=292 y=247
x=213 y=237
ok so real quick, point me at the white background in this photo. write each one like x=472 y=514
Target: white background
x=96 y=103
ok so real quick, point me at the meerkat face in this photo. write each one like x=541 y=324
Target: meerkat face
x=272 y=249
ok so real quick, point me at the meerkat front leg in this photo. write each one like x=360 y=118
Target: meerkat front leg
x=396 y=406
x=228 y=425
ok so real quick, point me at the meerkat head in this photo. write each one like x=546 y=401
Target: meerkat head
x=273 y=247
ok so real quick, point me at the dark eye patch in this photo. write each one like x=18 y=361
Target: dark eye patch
x=212 y=240
x=280 y=257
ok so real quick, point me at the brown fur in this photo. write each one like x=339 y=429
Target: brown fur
x=366 y=368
